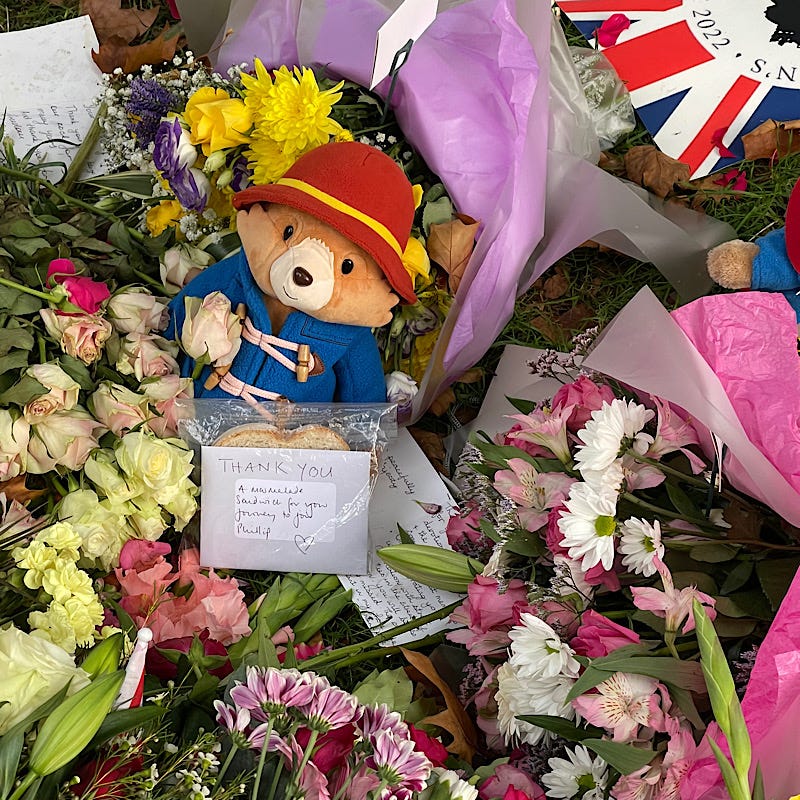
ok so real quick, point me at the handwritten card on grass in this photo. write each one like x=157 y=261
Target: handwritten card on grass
x=284 y=510
x=409 y=492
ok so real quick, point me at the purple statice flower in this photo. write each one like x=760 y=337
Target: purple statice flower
x=148 y=104
x=374 y=719
x=398 y=764
x=330 y=708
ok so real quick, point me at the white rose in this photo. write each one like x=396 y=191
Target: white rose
x=400 y=388
x=33 y=670
x=180 y=264
x=62 y=394
x=14 y=437
x=135 y=310
x=161 y=464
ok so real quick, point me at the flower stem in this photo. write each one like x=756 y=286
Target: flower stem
x=701 y=522
x=35 y=292
x=353 y=649
x=231 y=753
x=23 y=787
x=143 y=276
x=312 y=740
x=676 y=473
x=382 y=652
x=262 y=757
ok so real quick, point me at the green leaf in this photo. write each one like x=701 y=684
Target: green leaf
x=15 y=360
x=562 y=727
x=92 y=244
x=77 y=370
x=728 y=773
x=10 y=751
x=126 y=719
x=523 y=406
x=390 y=686
x=434 y=193
x=685 y=703
x=23 y=391
x=737 y=577
x=775 y=575
x=758 y=784
x=404 y=536
x=18 y=303
x=590 y=678
x=28 y=247
x=745 y=604
x=23 y=228
x=119 y=236
x=436 y=212
x=525 y=543
x=320 y=613
x=65 y=229
x=729 y=628
x=624 y=758
x=133 y=183
x=718 y=678
x=682 y=502
x=702 y=580
x=714 y=552
x=11 y=338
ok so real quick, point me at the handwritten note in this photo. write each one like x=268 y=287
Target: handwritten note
x=409 y=492
x=59 y=102
x=284 y=510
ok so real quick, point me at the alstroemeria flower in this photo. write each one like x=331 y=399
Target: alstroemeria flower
x=547 y=429
x=610 y=30
x=83 y=293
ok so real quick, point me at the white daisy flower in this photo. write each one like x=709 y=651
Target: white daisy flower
x=589 y=525
x=609 y=478
x=457 y=788
x=536 y=649
x=582 y=775
x=613 y=428
x=540 y=695
x=640 y=544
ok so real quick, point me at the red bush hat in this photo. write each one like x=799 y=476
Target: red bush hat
x=356 y=189
x=792 y=231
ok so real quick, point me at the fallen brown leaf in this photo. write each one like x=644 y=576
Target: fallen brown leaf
x=745 y=520
x=109 y=20
x=454 y=719
x=116 y=52
x=555 y=286
x=649 y=167
x=471 y=375
x=442 y=402
x=432 y=446
x=15 y=489
x=450 y=245
x=772 y=139
x=708 y=189
x=612 y=163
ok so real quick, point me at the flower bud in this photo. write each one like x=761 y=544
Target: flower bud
x=432 y=566
x=104 y=657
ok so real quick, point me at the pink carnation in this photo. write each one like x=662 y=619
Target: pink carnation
x=506 y=777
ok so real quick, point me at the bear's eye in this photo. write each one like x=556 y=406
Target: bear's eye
x=347 y=266
x=287 y=232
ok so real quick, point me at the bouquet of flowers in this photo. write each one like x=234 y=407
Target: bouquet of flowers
x=191 y=138
x=598 y=535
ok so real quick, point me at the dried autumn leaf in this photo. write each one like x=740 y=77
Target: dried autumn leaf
x=772 y=139
x=471 y=375
x=431 y=445
x=109 y=20
x=117 y=53
x=450 y=245
x=555 y=286
x=649 y=167
x=15 y=489
x=454 y=719
x=442 y=402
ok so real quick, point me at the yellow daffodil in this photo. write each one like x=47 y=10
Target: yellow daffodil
x=216 y=120
x=415 y=259
x=160 y=217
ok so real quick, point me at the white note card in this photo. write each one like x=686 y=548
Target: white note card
x=57 y=100
x=284 y=510
x=409 y=492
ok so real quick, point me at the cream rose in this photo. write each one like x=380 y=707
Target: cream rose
x=163 y=394
x=33 y=670
x=65 y=438
x=211 y=333
x=147 y=355
x=62 y=392
x=135 y=310
x=180 y=264
x=117 y=407
x=80 y=335
x=14 y=437
x=161 y=464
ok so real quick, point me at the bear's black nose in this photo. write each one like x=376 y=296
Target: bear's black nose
x=302 y=277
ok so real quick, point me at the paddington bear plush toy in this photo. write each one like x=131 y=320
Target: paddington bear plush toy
x=770 y=263
x=321 y=264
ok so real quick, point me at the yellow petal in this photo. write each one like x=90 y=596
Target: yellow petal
x=415 y=259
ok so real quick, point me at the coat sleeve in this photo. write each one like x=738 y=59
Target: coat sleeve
x=359 y=373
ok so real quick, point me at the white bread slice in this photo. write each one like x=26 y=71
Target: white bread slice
x=309 y=437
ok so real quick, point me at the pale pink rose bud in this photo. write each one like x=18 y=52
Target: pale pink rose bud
x=118 y=408
x=65 y=438
x=180 y=264
x=80 y=335
x=62 y=394
x=14 y=435
x=211 y=333
x=146 y=355
x=135 y=310
x=163 y=394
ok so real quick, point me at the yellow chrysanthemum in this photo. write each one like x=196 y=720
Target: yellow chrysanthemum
x=216 y=120
x=344 y=135
x=160 y=217
x=256 y=91
x=267 y=160
x=293 y=111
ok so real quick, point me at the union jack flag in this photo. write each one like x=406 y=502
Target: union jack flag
x=695 y=67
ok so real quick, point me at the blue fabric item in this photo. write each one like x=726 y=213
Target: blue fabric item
x=353 y=372
x=772 y=270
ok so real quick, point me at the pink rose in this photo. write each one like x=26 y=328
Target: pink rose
x=211 y=333
x=488 y=614
x=505 y=777
x=485 y=700
x=162 y=394
x=146 y=355
x=559 y=614
x=180 y=264
x=135 y=310
x=433 y=749
x=465 y=536
x=598 y=636
x=65 y=438
x=86 y=294
x=80 y=335
x=333 y=747
x=118 y=408
x=553 y=536
x=585 y=396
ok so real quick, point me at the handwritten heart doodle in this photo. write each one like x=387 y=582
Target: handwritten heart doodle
x=303 y=543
